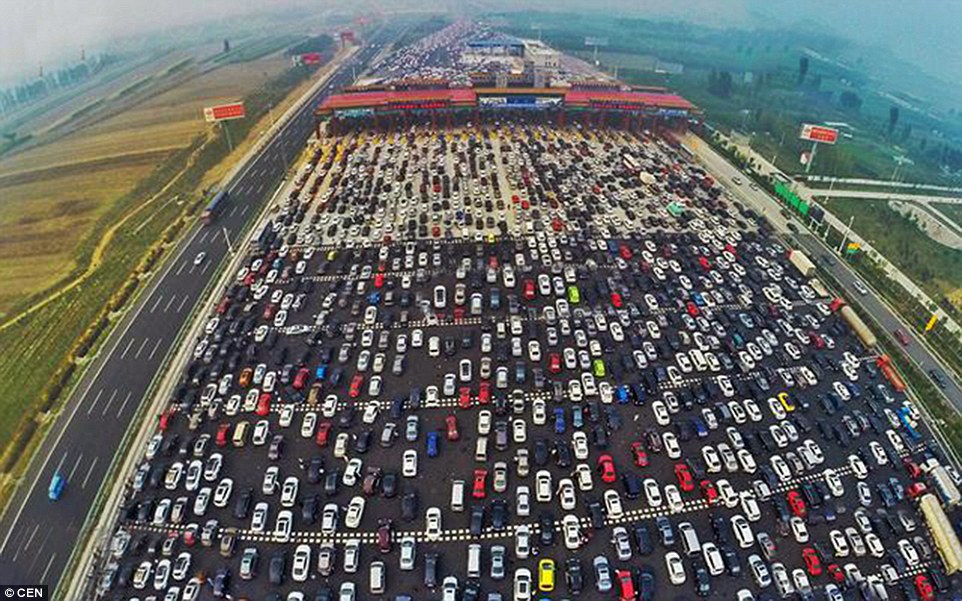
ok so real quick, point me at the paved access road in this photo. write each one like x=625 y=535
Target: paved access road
x=764 y=204
x=39 y=535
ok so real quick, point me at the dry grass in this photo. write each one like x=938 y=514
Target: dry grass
x=52 y=195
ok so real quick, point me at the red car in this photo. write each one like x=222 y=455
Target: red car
x=165 y=419
x=554 y=363
x=626 y=584
x=812 y=563
x=223 y=435
x=903 y=339
x=452 y=424
x=269 y=310
x=709 y=492
x=912 y=468
x=323 y=436
x=836 y=573
x=796 y=504
x=190 y=535
x=480 y=478
x=356 y=382
x=685 y=482
x=638 y=454
x=924 y=588
x=263 y=404
x=616 y=300
x=916 y=489
x=464 y=397
x=379 y=280
x=625 y=252
x=528 y=290
x=300 y=380
x=692 y=308
x=606 y=466
x=484 y=393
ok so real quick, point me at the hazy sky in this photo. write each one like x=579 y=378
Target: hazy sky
x=922 y=31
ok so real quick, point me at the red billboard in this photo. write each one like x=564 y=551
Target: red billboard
x=819 y=133
x=221 y=112
x=311 y=58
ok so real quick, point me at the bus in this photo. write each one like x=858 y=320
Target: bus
x=215 y=205
x=56 y=486
x=906 y=419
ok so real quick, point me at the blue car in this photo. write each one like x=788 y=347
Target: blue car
x=577 y=416
x=621 y=393
x=321 y=372
x=559 y=420
x=432 y=442
x=374 y=298
x=56 y=486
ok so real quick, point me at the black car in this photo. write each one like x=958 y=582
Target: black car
x=574 y=575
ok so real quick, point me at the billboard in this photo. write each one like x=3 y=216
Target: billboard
x=222 y=112
x=519 y=102
x=818 y=133
x=595 y=41
x=311 y=58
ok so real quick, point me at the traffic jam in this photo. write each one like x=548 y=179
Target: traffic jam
x=513 y=361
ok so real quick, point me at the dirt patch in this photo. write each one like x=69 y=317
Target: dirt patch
x=930 y=225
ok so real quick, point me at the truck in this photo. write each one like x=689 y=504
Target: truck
x=946 y=540
x=941 y=481
x=861 y=330
x=214 y=207
x=801 y=262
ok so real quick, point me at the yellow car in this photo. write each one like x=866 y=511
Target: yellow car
x=574 y=295
x=546 y=575
x=786 y=402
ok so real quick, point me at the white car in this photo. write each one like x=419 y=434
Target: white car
x=409 y=463
x=613 y=506
x=355 y=511
x=433 y=520
x=289 y=491
x=566 y=494
x=301 y=565
x=542 y=486
x=676 y=569
x=571 y=530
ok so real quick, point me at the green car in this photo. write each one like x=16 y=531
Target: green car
x=574 y=296
x=598 y=366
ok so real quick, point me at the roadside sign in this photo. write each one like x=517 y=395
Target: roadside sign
x=931 y=323
x=222 y=112
x=818 y=133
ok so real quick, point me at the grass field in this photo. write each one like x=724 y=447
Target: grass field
x=54 y=195
x=937 y=268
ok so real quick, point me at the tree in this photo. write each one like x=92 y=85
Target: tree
x=226 y=45
x=816 y=82
x=850 y=100
x=802 y=68
x=893 y=118
x=720 y=84
x=922 y=144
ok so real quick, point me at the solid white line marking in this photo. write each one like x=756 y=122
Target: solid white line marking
x=124 y=405
x=204 y=237
x=181 y=268
x=127 y=348
x=141 y=349
x=89 y=471
x=232 y=211
x=167 y=306
x=97 y=398
x=157 y=344
x=29 y=540
x=203 y=270
x=180 y=307
x=156 y=302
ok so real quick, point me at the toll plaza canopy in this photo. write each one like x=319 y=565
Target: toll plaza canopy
x=648 y=102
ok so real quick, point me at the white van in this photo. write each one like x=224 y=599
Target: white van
x=474 y=560
x=481 y=449
x=457 y=495
x=689 y=539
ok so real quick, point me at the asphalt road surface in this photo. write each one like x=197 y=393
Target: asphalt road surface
x=38 y=535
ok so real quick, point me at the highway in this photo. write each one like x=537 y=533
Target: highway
x=764 y=204
x=39 y=535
